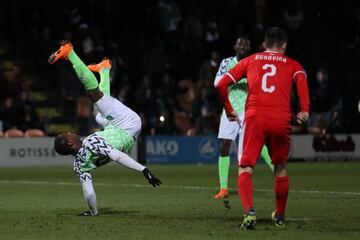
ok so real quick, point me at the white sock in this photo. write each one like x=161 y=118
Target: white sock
x=89 y=193
x=125 y=160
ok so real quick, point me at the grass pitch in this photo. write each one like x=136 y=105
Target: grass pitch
x=43 y=203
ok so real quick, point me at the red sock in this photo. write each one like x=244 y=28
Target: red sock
x=245 y=190
x=281 y=194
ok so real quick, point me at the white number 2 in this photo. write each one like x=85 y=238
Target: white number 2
x=266 y=75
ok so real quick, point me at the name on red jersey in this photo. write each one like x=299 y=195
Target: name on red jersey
x=271 y=58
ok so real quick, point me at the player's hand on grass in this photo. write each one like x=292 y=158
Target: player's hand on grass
x=302 y=117
x=233 y=116
x=151 y=178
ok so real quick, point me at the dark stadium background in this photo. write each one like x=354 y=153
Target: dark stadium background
x=165 y=54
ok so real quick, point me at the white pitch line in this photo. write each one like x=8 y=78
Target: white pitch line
x=298 y=219
x=170 y=187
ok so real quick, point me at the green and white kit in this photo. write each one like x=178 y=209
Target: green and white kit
x=237 y=96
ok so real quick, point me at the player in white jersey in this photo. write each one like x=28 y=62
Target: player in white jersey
x=228 y=131
x=121 y=127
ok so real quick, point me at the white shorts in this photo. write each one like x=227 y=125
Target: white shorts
x=117 y=114
x=230 y=130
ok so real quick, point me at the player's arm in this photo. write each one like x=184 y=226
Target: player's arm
x=220 y=73
x=127 y=161
x=230 y=78
x=302 y=89
x=97 y=144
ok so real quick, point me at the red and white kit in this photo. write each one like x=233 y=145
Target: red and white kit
x=267 y=113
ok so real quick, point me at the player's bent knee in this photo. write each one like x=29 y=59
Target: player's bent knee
x=280 y=169
x=243 y=168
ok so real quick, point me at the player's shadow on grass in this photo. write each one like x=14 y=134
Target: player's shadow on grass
x=263 y=220
x=112 y=212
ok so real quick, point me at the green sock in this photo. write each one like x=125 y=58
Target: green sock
x=266 y=157
x=87 y=78
x=224 y=165
x=105 y=81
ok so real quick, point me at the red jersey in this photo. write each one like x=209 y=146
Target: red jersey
x=270 y=78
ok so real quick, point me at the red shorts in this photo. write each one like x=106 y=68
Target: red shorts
x=256 y=132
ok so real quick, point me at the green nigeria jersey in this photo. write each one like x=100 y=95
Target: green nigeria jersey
x=96 y=147
x=237 y=92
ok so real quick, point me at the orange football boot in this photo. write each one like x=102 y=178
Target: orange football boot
x=223 y=193
x=62 y=53
x=105 y=63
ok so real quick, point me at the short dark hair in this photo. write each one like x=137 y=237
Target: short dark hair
x=275 y=37
x=244 y=36
x=60 y=145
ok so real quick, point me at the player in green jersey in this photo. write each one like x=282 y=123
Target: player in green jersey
x=228 y=131
x=121 y=127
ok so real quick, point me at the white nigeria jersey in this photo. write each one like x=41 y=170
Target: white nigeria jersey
x=93 y=153
x=237 y=92
x=97 y=146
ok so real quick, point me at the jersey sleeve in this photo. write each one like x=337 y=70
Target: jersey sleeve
x=221 y=71
x=300 y=79
x=231 y=77
x=239 y=71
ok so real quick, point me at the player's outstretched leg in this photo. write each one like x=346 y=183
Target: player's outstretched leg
x=66 y=52
x=103 y=68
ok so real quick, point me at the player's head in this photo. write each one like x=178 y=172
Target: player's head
x=67 y=143
x=275 y=38
x=242 y=47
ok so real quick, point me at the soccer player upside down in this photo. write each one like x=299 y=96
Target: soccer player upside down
x=121 y=127
x=270 y=75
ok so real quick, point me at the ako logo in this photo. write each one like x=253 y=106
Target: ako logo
x=208 y=147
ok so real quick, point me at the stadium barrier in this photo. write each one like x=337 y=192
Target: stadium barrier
x=180 y=150
x=34 y=152
x=205 y=149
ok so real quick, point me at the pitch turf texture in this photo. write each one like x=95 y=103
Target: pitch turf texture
x=42 y=203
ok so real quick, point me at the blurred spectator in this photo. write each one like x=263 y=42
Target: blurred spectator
x=207 y=123
x=208 y=69
x=169 y=14
x=193 y=33
x=325 y=105
x=9 y=114
x=29 y=118
x=183 y=41
x=10 y=81
x=293 y=15
x=84 y=117
x=212 y=36
x=184 y=106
